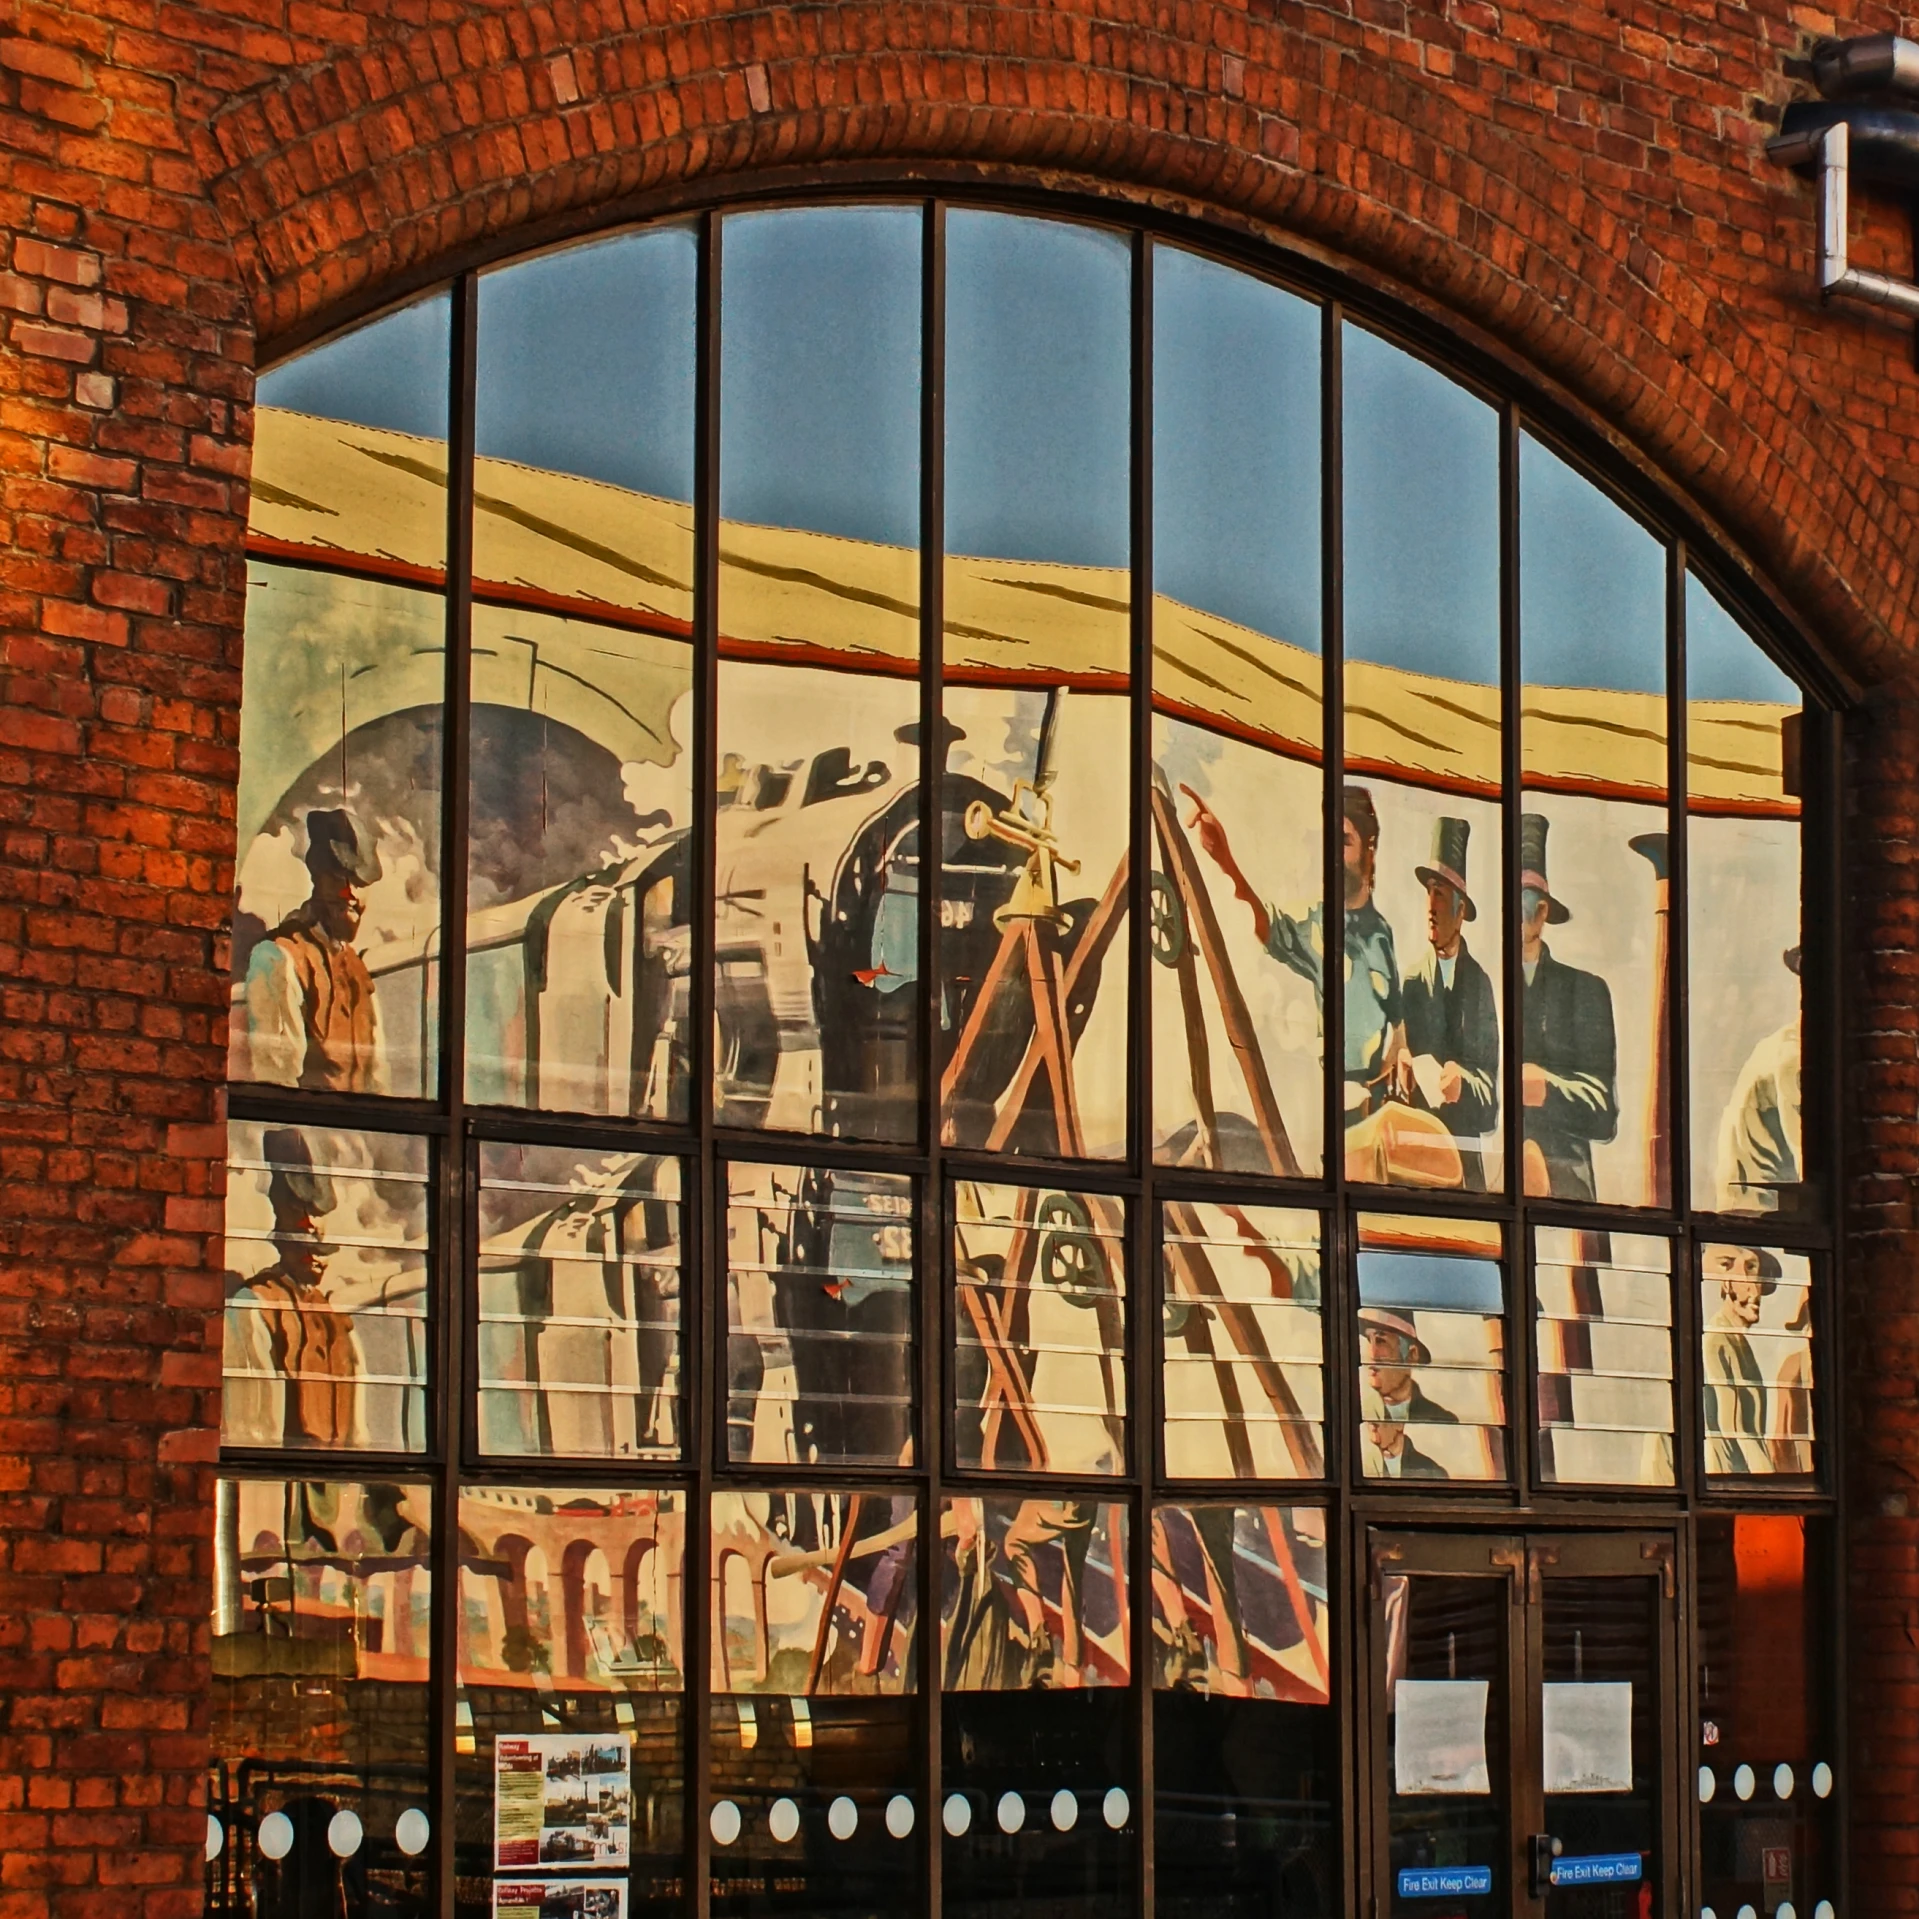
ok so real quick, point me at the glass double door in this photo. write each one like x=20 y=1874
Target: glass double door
x=1522 y=1725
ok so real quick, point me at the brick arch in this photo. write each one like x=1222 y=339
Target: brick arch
x=1587 y=243
x=1581 y=187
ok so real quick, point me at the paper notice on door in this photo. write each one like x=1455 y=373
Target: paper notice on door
x=1589 y=1736
x=1439 y=1736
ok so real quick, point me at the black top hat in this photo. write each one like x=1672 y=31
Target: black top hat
x=337 y=842
x=1447 y=865
x=949 y=734
x=1532 y=865
x=290 y=1170
x=1357 y=805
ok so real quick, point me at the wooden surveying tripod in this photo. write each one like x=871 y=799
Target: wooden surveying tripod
x=1030 y=925
x=1173 y=946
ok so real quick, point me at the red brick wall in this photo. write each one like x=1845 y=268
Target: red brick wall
x=1882 y=1308
x=124 y=386
x=1579 y=188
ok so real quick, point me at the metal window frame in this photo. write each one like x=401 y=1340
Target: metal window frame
x=704 y=1147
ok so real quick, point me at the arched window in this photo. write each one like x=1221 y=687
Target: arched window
x=836 y=1288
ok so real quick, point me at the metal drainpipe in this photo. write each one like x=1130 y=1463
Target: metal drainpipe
x=1839 y=279
x=1873 y=63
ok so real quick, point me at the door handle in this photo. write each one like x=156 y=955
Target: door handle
x=1541 y=1850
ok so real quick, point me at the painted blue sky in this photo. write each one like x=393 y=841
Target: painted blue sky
x=1592 y=583
x=1723 y=662
x=1422 y=516
x=1038 y=399
x=587 y=366
x=391 y=373
x=820 y=371
x=1236 y=447
x=586 y=361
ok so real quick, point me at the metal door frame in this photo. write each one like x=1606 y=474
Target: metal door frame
x=1524 y=1556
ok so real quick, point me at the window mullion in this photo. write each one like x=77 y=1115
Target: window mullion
x=703 y=1316
x=450 y=1263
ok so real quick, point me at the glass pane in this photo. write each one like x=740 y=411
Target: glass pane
x=578 y=943
x=1743 y=805
x=581 y=798
x=349 y=449
x=1597 y=1070
x=1244 y=1735
x=583 y=433
x=1755 y=1314
x=579 y=1282
x=1034 y=1595
x=334 y=954
x=817 y=927
x=1594 y=1634
x=819 y=1316
x=1244 y=1392
x=1422 y=1063
x=1768 y=1763
x=1421 y=824
x=1033 y=1017
x=1036 y=1725
x=1421 y=468
x=1040 y=1372
x=321 y=1727
x=326 y=1289
x=1604 y=1345
x=568 y=1737
x=815 y=1658
x=1236 y=468
x=1445 y=1648
x=336 y=924
x=1432 y=1339
x=1238 y=705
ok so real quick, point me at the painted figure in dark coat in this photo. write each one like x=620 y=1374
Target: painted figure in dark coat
x=1451 y=1017
x=1391 y=1353
x=1570 y=1078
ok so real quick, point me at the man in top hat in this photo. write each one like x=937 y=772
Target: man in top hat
x=291 y=1366
x=1451 y=1062
x=1735 y=1387
x=311 y=1017
x=1375 y=1018
x=1570 y=1075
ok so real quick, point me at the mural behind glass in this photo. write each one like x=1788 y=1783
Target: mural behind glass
x=575 y=1707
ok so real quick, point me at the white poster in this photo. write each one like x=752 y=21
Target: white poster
x=1439 y=1736
x=1589 y=1736
x=559 y=1899
x=562 y=1799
